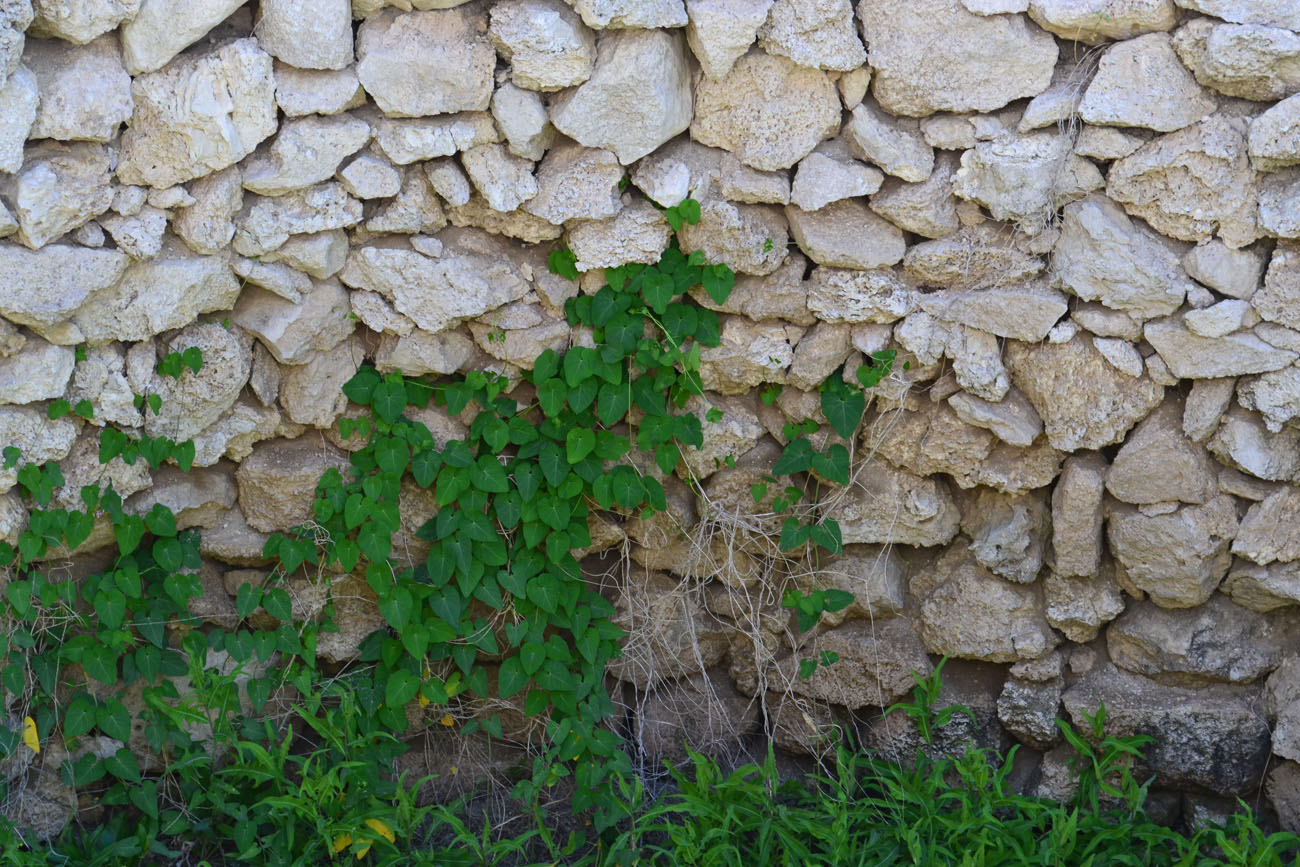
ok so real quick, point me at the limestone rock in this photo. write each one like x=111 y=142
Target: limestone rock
x=577 y=183
x=1269 y=531
x=638 y=233
x=886 y=505
x=705 y=711
x=670 y=631
x=740 y=183
x=974 y=615
x=1008 y=533
x=1270 y=13
x=158 y=294
x=140 y=236
x=1158 y=464
x=981 y=64
x=748 y=355
x=546 y=44
x=415 y=209
x=1191 y=183
x=1106 y=143
x=420 y=63
x=1023 y=179
x=1206 y=402
x=208 y=226
x=1283 y=790
x=720 y=31
x=750 y=238
x=846 y=234
x=1012 y=419
x=1190 y=356
x=85 y=92
x=973 y=258
x=504 y=180
x=1249 y=61
x=449 y=181
x=19 y=98
x=319 y=254
x=434 y=293
x=292 y=332
x=1217 y=642
x=874 y=575
x=1279 y=215
x=371 y=177
x=1079 y=607
x=1025 y=312
x=838 y=295
x=77 y=272
x=33 y=433
x=59 y=188
x=928 y=208
x=783 y=294
x=277 y=482
x=312 y=393
x=767 y=111
x=197 y=400
x=269 y=222
x=1029 y=711
x=40 y=371
x=1221 y=319
x=1077 y=516
x=1276 y=395
x=1083 y=401
x=301 y=92
x=162 y=28
x=640 y=14
x=1213 y=737
x=822 y=179
x=306 y=151
x=1275 y=302
x=1178 y=558
x=420 y=353
x=1092 y=21
x=307 y=34
x=409 y=141
x=80 y=21
x=521 y=115
x=637 y=98
x=878 y=661
x=1121 y=93
x=1274 y=140
x=896 y=145
x=818 y=33
x=178 y=132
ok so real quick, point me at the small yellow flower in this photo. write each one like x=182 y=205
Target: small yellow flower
x=448 y=720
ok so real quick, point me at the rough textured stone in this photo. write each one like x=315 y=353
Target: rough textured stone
x=1158 y=464
x=59 y=188
x=640 y=14
x=973 y=258
x=1274 y=140
x=178 y=132
x=504 y=180
x=1178 y=558
x=1029 y=711
x=671 y=632
x=1079 y=607
x=85 y=92
x=277 y=482
x=409 y=141
x=546 y=44
x=1093 y=21
x=817 y=33
x=748 y=354
x=308 y=34
x=767 y=111
x=1216 y=642
x=1269 y=532
x=1077 y=516
x=40 y=371
x=1271 y=13
x=1083 y=401
x=878 y=662
x=838 y=295
x=1024 y=179
x=928 y=208
x=1012 y=419
x=720 y=31
x=33 y=433
x=1213 y=737
x=639 y=233
x=576 y=183
x=293 y=331
x=846 y=234
x=1250 y=61
x=371 y=177
x=1191 y=183
x=305 y=152
x=822 y=179
x=78 y=272
x=269 y=222
x=750 y=238
x=19 y=98
x=1008 y=533
x=896 y=145
x=300 y=92
x=420 y=63
x=892 y=506
x=972 y=614
x=162 y=28
x=637 y=98
x=80 y=21
x=197 y=400
x=982 y=63
x=1192 y=356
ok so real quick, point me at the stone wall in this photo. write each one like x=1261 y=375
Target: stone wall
x=1073 y=220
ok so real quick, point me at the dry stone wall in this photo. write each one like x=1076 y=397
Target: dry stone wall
x=1077 y=222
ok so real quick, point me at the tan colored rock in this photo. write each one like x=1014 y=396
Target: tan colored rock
x=523 y=119
x=1281 y=289
x=420 y=353
x=1159 y=464
x=85 y=92
x=371 y=177
x=320 y=254
x=1024 y=312
x=1008 y=533
x=40 y=371
x=1274 y=140
x=1093 y=21
x=577 y=183
x=1024 y=179
x=928 y=208
x=1191 y=356
x=416 y=208
x=846 y=234
x=546 y=44
x=277 y=482
x=195 y=401
x=894 y=144
x=409 y=141
x=1244 y=443
x=301 y=92
x=1012 y=419
x=1221 y=319
x=59 y=188
x=1178 y=558
x=783 y=294
x=703 y=710
x=818 y=33
x=976 y=257
x=720 y=31
x=207 y=226
x=307 y=34
x=19 y=98
x=748 y=355
x=1271 y=13
x=177 y=133
x=637 y=98
x=78 y=21
x=670 y=632
x=1249 y=61
x=1283 y=790
x=1079 y=607
x=306 y=151
x=36 y=436
x=822 y=179
x=767 y=111
x=982 y=63
x=1077 y=516
x=1269 y=530
x=269 y=222
x=163 y=28
x=886 y=505
x=312 y=393
x=638 y=233
x=421 y=63
x=1218 y=642
x=1083 y=401
x=504 y=180
x=77 y=272
x=840 y=295
x=1275 y=395
x=878 y=663
x=972 y=614
x=293 y=331
x=740 y=183
x=1191 y=183
x=1108 y=143
x=750 y=238
x=638 y=14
